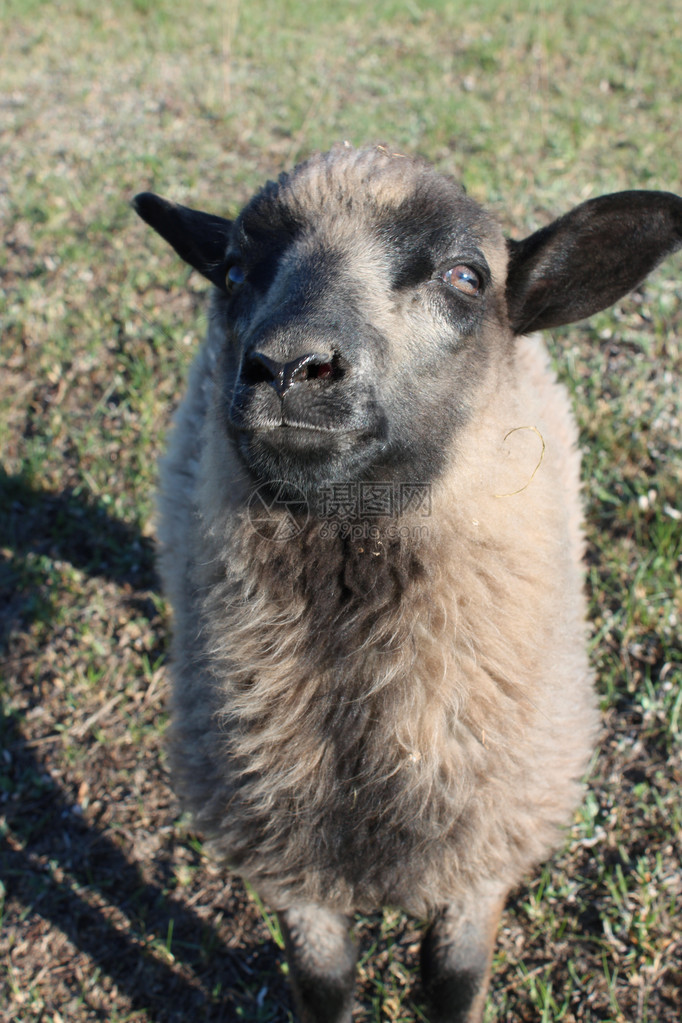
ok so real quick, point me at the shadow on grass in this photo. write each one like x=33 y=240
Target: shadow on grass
x=57 y=866
x=64 y=526
x=76 y=878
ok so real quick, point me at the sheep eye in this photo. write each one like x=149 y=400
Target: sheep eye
x=463 y=278
x=234 y=277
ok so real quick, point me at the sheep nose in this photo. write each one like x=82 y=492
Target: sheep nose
x=259 y=368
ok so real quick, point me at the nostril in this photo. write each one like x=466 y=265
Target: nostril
x=313 y=366
x=319 y=371
x=259 y=369
x=310 y=367
x=317 y=367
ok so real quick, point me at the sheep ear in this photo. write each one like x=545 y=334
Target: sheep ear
x=201 y=239
x=589 y=258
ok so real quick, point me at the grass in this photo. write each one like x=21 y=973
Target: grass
x=110 y=909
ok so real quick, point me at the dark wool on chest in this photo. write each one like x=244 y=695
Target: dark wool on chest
x=344 y=619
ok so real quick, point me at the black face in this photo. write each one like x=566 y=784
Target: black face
x=354 y=346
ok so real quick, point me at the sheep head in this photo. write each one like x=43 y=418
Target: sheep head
x=364 y=293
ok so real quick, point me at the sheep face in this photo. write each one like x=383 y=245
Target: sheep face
x=349 y=330
x=354 y=297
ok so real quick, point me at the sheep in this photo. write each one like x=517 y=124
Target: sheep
x=371 y=536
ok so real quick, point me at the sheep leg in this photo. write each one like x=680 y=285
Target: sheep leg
x=321 y=957
x=455 y=958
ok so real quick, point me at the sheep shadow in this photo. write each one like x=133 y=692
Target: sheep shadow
x=69 y=875
x=72 y=876
x=67 y=526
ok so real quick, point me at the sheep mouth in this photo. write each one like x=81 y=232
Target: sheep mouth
x=294 y=426
x=309 y=453
x=320 y=428
x=286 y=427
x=316 y=410
x=311 y=438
